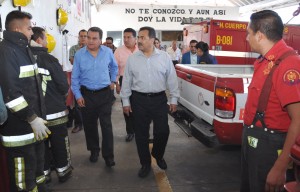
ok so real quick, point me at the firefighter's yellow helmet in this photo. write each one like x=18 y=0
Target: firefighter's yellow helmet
x=50 y=42
x=22 y=3
x=62 y=17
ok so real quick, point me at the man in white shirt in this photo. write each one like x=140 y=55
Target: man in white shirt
x=174 y=52
x=148 y=74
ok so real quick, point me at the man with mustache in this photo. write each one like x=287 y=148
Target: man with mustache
x=148 y=73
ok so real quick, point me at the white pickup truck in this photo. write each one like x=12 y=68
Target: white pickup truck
x=212 y=100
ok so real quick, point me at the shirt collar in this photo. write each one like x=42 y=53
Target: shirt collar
x=276 y=51
x=193 y=54
x=86 y=50
x=135 y=48
x=155 y=52
x=34 y=44
x=16 y=38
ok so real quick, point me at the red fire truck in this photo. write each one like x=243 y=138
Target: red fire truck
x=227 y=39
x=291 y=36
x=208 y=110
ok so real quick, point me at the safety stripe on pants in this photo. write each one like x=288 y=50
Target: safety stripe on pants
x=40 y=179
x=16 y=141
x=20 y=172
x=34 y=190
x=67 y=142
x=64 y=170
x=57 y=115
x=57 y=121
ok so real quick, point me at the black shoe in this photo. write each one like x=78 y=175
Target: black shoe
x=162 y=164
x=76 y=129
x=94 y=156
x=64 y=178
x=110 y=162
x=129 y=137
x=144 y=171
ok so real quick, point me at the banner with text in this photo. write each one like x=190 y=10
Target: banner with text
x=119 y=17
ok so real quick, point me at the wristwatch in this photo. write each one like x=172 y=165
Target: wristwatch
x=114 y=82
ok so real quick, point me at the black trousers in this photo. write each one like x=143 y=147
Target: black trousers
x=98 y=106
x=60 y=149
x=260 y=150
x=75 y=115
x=128 y=119
x=144 y=110
x=26 y=167
x=175 y=62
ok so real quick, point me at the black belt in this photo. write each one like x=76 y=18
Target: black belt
x=268 y=130
x=149 y=94
x=175 y=62
x=85 y=89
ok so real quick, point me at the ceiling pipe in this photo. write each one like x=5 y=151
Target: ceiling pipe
x=97 y=4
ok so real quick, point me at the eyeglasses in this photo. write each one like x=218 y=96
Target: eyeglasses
x=192 y=46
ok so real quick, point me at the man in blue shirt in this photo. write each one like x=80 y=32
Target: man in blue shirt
x=191 y=57
x=93 y=77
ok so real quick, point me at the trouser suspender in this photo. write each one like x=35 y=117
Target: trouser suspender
x=265 y=93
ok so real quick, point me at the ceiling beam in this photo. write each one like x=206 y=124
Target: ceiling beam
x=242 y=2
x=267 y=4
x=233 y=2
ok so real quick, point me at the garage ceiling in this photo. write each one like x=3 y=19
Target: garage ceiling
x=245 y=6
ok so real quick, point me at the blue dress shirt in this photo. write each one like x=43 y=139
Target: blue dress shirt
x=93 y=72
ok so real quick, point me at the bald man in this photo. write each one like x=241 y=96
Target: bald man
x=174 y=53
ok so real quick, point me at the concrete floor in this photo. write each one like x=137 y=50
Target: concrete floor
x=192 y=167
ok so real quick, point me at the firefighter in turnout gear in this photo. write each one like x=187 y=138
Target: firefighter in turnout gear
x=55 y=88
x=23 y=133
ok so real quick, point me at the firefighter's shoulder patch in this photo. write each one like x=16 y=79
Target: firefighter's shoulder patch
x=291 y=77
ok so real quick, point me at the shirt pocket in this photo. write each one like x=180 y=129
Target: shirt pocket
x=160 y=68
x=254 y=91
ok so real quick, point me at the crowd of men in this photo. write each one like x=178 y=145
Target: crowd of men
x=35 y=90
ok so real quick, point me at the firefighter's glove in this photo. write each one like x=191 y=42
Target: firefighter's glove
x=39 y=128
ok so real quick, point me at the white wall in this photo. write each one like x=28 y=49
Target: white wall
x=44 y=15
x=117 y=17
x=285 y=13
